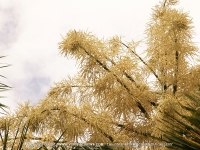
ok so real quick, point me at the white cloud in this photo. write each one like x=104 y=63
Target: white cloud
x=34 y=28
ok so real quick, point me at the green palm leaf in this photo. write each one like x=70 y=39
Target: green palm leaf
x=3 y=87
x=183 y=129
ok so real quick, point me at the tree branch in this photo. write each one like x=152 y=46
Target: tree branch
x=87 y=122
x=139 y=105
x=175 y=75
x=131 y=130
x=164 y=3
x=130 y=78
x=142 y=62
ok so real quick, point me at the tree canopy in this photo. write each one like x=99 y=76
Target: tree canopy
x=117 y=95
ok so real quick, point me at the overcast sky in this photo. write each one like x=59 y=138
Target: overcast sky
x=31 y=30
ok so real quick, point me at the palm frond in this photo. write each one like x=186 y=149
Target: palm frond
x=183 y=129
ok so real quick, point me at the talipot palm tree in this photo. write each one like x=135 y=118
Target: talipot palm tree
x=117 y=95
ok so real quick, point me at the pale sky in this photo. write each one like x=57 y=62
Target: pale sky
x=30 y=31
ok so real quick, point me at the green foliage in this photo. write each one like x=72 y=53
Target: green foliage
x=3 y=87
x=183 y=129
